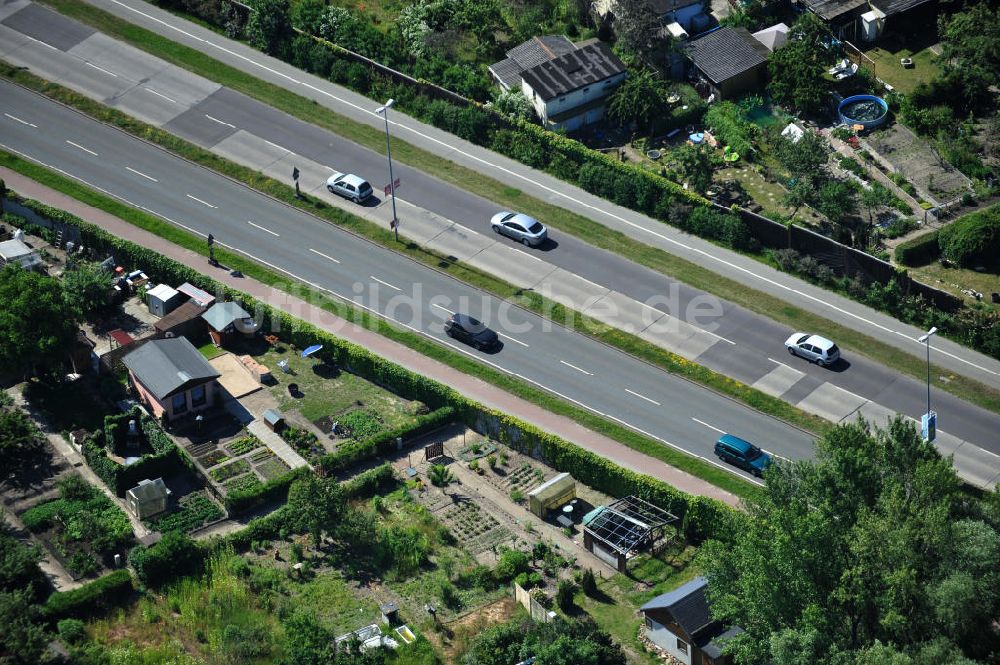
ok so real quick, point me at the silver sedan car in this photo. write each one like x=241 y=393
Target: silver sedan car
x=818 y=349
x=520 y=227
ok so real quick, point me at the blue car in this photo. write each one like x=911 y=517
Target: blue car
x=736 y=451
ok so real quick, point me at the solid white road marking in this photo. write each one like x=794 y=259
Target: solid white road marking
x=729 y=341
x=516 y=341
x=23 y=122
x=221 y=122
x=444 y=308
x=100 y=69
x=77 y=145
x=385 y=283
x=583 y=371
x=195 y=198
x=276 y=146
x=150 y=90
x=652 y=401
x=147 y=177
x=702 y=422
x=325 y=256
x=263 y=229
x=39 y=41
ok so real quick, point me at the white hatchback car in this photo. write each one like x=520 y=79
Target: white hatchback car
x=818 y=349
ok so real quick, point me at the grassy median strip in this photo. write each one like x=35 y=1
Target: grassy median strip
x=505 y=196
x=696 y=467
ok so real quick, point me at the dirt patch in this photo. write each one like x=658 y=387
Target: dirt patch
x=454 y=637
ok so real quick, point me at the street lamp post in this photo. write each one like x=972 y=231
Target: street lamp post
x=384 y=112
x=926 y=341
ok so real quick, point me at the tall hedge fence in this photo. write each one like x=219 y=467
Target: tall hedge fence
x=919 y=251
x=91 y=599
x=703 y=518
x=165 y=459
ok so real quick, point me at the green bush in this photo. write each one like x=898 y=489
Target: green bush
x=176 y=555
x=71 y=631
x=241 y=499
x=973 y=240
x=511 y=564
x=371 y=482
x=919 y=251
x=92 y=598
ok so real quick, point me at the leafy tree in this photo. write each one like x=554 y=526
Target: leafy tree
x=797 y=69
x=307 y=14
x=560 y=642
x=174 y=556
x=874 y=197
x=805 y=159
x=87 y=286
x=728 y=122
x=316 y=506
x=269 y=27
x=638 y=31
x=513 y=103
x=872 y=544
x=564 y=595
x=971 y=51
x=19 y=569
x=695 y=164
x=37 y=324
x=21 y=445
x=837 y=200
x=640 y=98
x=23 y=638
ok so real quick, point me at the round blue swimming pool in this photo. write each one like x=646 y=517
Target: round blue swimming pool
x=866 y=110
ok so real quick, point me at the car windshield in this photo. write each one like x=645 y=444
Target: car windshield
x=753 y=453
x=536 y=228
x=802 y=339
x=507 y=216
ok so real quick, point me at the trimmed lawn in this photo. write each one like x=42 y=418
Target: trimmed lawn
x=210 y=351
x=888 y=69
x=328 y=392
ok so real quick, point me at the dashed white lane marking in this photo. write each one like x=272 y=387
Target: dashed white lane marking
x=23 y=122
x=263 y=229
x=195 y=198
x=384 y=283
x=275 y=145
x=434 y=304
x=221 y=122
x=651 y=401
x=720 y=337
x=578 y=369
x=39 y=41
x=702 y=422
x=516 y=341
x=147 y=177
x=77 y=145
x=100 y=69
x=159 y=94
x=325 y=256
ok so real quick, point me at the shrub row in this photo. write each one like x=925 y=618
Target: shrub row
x=702 y=517
x=919 y=251
x=240 y=500
x=973 y=240
x=368 y=483
x=350 y=454
x=166 y=459
x=90 y=599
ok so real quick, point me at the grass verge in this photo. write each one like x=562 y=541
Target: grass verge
x=697 y=467
x=510 y=197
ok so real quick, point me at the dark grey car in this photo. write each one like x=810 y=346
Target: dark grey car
x=471 y=331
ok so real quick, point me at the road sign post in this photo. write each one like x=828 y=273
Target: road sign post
x=295 y=177
x=928 y=426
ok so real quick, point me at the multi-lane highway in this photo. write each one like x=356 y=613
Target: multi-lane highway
x=584 y=371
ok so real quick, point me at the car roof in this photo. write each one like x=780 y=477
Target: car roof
x=821 y=342
x=352 y=179
x=465 y=320
x=736 y=442
x=523 y=220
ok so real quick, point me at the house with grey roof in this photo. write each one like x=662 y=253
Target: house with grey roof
x=680 y=623
x=148 y=498
x=225 y=319
x=171 y=377
x=567 y=83
x=730 y=60
x=864 y=20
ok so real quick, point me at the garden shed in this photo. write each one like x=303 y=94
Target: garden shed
x=730 y=60
x=617 y=532
x=162 y=299
x=552 y=493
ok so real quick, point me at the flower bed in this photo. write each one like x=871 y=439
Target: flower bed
x=247 y=483
x=272 y=468
x=243 y=445
x=213 y=458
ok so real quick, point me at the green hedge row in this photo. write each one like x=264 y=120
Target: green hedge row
x=166 y=459
x=350 y=454
x=239 y=501
x=919 y=251
x=702 y=518
x=92 y=598
x=973 y=240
